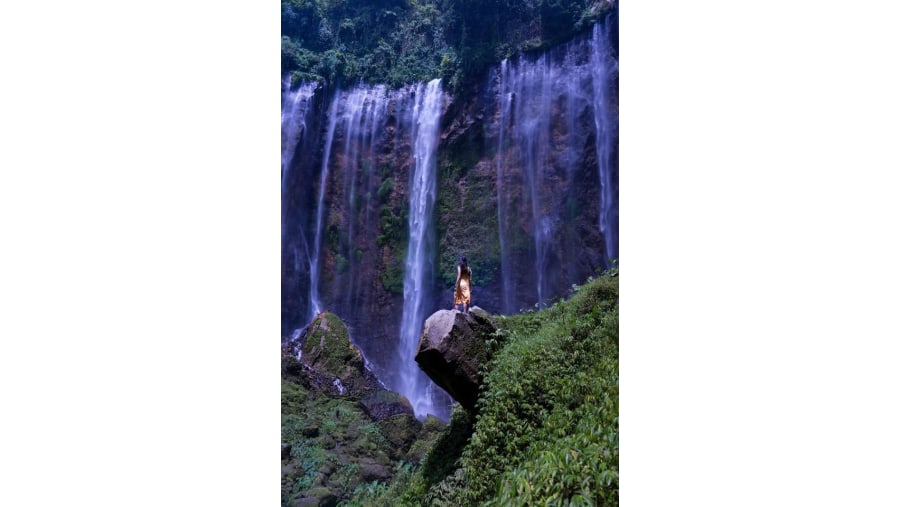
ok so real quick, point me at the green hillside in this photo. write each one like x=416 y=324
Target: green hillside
x=547 y=430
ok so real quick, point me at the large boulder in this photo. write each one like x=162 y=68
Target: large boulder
x=451 y=350
x=322 y=357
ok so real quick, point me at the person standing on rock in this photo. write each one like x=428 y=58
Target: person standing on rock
x=463 y=295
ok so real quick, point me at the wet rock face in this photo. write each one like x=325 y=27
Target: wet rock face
x=527 y=179
x=452 y=349
x=364 y=216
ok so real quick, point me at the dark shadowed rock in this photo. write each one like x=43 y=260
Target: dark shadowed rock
x=323 y=497
x=370 y=471
x=428 y=434
x=381 y=404
x=400 y=431
x=451 y=350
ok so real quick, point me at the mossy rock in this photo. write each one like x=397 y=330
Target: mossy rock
x=337 y=366
x=452 y=350
x=293 y=398
x=428 y=434
x=327 y=347
x=381 y=404
x=291 y=367
x=400 y=431
x=324 y=496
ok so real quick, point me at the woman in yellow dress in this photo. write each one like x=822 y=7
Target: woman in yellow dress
x=463 y=294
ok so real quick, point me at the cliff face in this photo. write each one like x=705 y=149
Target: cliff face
x=346 y=198
x=530 y=174
x=526 y=188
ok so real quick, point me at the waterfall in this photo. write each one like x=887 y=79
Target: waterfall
x=295 y=111
x=603 y=66
x=545 y=127
x=358 y=116
x=530 y=86
x=553 y=113
x=315 y=304
x=367 y=134
x=425 y=122
x=294 y=108
x=502 y=226
x=363 y=119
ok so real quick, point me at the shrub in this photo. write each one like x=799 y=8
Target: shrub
x=547 y=431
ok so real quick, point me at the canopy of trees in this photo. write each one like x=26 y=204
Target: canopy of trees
x=402 y=41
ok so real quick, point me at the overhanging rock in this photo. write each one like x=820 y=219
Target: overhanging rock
x=451 y=350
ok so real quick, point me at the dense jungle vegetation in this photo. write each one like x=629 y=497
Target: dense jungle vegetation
x=403 y=41
x=547 y=427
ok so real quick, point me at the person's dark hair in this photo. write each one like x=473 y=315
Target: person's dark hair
x=463 y=263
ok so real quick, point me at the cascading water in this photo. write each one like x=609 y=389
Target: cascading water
x=367 y=133
x=505 y=100
x=358 y=116
x=315 y=304
x=547 y=109
x=603 y=66
x=529 y=86
x=363 y=120
x=294 y=109
x=425 y=121
x=353 y=160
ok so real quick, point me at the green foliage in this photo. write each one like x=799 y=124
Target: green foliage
x=432 y=429
x=467 y=224
x=393 y=226
x=365 y=494
x=546 y=432
x=402 y=41
x=326 y=436
x=613 y=269
x=385 y=495
x=384 y=191
x=346 y=475
x=371 y=433
x=340 y=263
x=310 y=456
x=558 y=370
x=547 y=429
x=326 y=439
x=292 y=427
x=394 y=236
x=293 y=397
x=328 y=346
x=392 y=275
